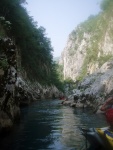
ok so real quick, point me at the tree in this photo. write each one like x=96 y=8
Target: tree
x=105 y=4
x=35 y=47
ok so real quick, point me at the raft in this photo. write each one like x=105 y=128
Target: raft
x=98 y=138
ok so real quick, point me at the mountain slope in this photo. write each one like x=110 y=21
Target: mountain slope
x=89 y=45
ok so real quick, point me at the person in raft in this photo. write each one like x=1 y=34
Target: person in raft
x=108 y=104
x=108 y=108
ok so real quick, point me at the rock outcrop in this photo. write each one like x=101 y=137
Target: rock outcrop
x=8 y=104
x=94 y=89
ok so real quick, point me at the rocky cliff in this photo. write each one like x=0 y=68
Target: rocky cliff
x=89 y=46
x=15 y=89
x=94 y=89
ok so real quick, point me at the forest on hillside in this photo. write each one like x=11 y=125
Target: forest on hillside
x=34 y=47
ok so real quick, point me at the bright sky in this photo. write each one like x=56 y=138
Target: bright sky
x=60 y=17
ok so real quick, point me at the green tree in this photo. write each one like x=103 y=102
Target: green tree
x=105 y=4
x=35 y=47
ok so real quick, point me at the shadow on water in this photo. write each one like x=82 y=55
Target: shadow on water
x=48 y=125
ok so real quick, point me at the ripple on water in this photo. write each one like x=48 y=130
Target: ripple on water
x=48 y=125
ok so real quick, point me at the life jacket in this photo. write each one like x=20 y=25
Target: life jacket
x=109 y=116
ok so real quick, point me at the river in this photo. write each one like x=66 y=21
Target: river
x=47 y=125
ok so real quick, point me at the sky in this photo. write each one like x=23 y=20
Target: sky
x=61 y=17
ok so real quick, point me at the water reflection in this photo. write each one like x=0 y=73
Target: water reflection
x=48 y=125
x=71 y=137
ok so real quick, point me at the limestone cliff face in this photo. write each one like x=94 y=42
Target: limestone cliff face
x=88 y=46
x=72 y=58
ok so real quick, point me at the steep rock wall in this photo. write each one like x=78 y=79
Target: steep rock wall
x=88 y=46
x=15 y=89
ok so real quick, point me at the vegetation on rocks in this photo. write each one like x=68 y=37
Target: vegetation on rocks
x=90 y=43
x=35 y=47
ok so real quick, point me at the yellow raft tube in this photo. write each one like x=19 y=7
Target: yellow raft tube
x=107 y=136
